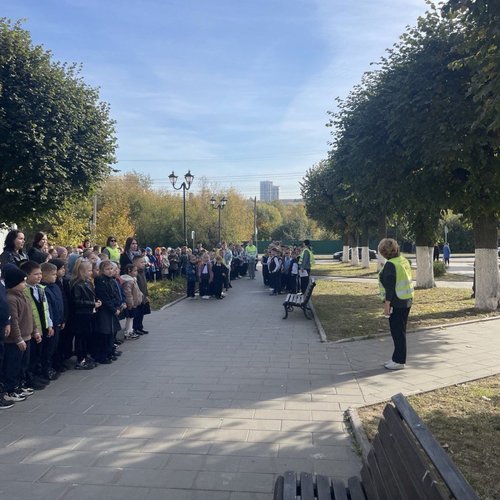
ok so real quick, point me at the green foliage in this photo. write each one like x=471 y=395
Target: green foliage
x=439 y=268
x=56 y=138
x=164 y=291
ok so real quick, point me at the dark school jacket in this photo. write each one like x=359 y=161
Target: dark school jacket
x=106 y=321
x=82 y=298
x=56 y=303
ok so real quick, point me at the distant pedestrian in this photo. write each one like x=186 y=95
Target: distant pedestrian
x=436 y=252
x=396 y=290
x=446 y=254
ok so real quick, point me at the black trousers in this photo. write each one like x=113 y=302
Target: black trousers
x=83 y=335
x=15 y=364
x=304 y=281
x=138 y=318
x=49 y=346
x=397 y=323
x=191 y=287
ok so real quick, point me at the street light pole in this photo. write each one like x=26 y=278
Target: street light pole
x=218 y=206
x=188 y=179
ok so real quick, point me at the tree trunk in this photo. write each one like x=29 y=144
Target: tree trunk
x=486 y=264
x=382 y=233
x=365 y=254
x=354 y=249
x=345 y=248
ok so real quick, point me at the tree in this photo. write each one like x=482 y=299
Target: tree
x=57 y=139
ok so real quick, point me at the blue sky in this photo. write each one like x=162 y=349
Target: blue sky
x=237 y=91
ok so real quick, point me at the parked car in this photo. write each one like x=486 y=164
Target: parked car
x=338 y=255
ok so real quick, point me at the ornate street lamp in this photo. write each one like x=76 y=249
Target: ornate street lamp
x=188 y=180
x=218 y=206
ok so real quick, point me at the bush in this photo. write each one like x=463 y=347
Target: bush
x=439 y=268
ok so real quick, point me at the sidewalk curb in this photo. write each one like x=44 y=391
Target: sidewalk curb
x=170 y=304
x=319 y=326
x=358 y=432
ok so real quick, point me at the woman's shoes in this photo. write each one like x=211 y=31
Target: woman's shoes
x=391 y=365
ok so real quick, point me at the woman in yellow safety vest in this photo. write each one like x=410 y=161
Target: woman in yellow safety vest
x=111 y=249
x=396 y=290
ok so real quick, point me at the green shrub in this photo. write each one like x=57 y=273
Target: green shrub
x=439 y=268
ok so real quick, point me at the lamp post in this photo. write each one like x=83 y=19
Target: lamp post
x=218 y=206
x=185 y=187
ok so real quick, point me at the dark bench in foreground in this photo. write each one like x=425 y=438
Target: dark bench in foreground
x=405 y=462
x=300 y=300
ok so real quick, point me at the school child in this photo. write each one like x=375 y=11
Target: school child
x=38 y=300
x=265 y=268
x=293 y=277
x=65 y=344
x=205 y=276
x=165 y=263
x=84 y=305
x=220 y=272
x=4 y=332
x=133 y=299
x=17 y=343
x=144 y=308
x=191 y=276
x=56 y=311
x=274 y=266
x=106 y=320
x=286 y=268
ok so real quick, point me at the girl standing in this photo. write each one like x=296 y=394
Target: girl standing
x=84 y=306
x=106 y=320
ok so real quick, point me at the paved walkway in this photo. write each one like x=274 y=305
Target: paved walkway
x=217 y=400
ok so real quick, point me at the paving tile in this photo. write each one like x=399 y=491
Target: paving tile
x=231 y=481
x=81 y=475
x=17 y=490
x=151 y=478
x=108 y=492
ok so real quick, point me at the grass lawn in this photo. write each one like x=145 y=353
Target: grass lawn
x=165 y=291
x=351 y=309
x=465 y=419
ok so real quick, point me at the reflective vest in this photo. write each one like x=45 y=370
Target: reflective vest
x=311 y=256
x=114 y=254
x=404 y=283
x=251 y=251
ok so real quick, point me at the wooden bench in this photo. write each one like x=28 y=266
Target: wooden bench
x=404 y=462
x=300 y=300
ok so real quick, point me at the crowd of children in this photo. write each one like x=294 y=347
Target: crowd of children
x=61 y=307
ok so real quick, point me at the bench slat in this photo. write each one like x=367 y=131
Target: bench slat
x=355 y=488
x=290 y=486
x=390 y=480
x=378 y=480
x=306 y=486
x=368 y=485
x=339 y=491
x=453 y=478
x=323 y=487
x=404 y=456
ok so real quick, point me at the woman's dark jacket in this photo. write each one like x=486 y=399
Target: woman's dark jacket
x=12 y=257
x=37 y=255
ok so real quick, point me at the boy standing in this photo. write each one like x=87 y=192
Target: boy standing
x=40 y=307
x=56 y=311
x=22 y=330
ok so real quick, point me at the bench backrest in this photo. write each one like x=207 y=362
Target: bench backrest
x=406 y=461
x=308 y=292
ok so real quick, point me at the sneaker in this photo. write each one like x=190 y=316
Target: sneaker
x=83 y=365
x=14 y=396
x=25 y=388
x=391 y=365
x=133 y=336
x=25 y=392
x=4 y=404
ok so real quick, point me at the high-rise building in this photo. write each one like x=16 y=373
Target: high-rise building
x=268 y=192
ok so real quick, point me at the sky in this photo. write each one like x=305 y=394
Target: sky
x=236 y=91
